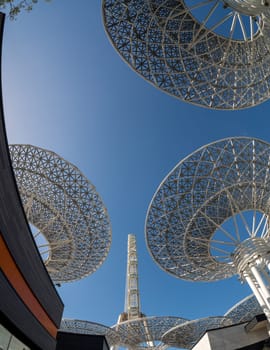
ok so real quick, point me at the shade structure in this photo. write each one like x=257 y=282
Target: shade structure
x=245 y=310
x=69 y=220
x=208 y=205
x=145 y=331
x=213 y=54
x=187 y=334
x=90 y=328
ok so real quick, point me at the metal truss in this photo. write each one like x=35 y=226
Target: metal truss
x=210 y=53
x=134 y=328
x=69 y=221
x=209 y=219
x=145 y=332
x=186 y=335
x=208 y=204
x=91 y=328
x=245 y=310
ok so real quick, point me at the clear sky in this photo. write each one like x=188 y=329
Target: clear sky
x=66 y=89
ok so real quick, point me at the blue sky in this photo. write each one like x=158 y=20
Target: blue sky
x=66 y=89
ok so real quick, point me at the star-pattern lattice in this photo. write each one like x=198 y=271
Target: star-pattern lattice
x=193 y=59
x=64 y=207
x=245 y=310
x=199 y=214
x=186 y=335
x=145 y=332
x=90 y=328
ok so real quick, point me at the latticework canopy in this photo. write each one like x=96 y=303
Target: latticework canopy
x=245 y=310
x=69 y=221
x=91 y=328
x=210 y=53
x=145 y=331
x=211 y=202
x=186 y=335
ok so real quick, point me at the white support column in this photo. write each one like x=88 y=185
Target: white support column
x=264 y=290
x=252 y=261
x=263 y=302
x=255 y=291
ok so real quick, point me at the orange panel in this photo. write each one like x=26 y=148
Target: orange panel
x=18 y=282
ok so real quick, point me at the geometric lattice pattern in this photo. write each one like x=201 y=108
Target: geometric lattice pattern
x=145 y=331
x=187 y=334
x=64 y=208
x=90 y=328
x=219 y=59
x=156 y=333
x=245 y=310
x=208 y=204
x=134 y=328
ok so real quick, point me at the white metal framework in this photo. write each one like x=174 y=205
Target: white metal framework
x=136 y=331
x=132 y=298
x=187 y=334
x=71 y=224
x=134 y=328
x=209 y=218
x=91 y=328
x=145 y=332
x=212 y=53
x=245 y=310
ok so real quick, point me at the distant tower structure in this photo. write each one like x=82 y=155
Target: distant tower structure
x=132 y=295
x=133 y=330
x=137 y=331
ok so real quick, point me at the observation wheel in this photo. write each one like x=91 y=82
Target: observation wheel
x=145 y=332
x=186 y=335
x=90 y=328
x=67 y=216
x=245 y=310
x=211 y=53
x=209 y=218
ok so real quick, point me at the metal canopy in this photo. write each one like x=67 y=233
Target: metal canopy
x=210 y=53
x=245 y=310
x=188 y=334
x=91 y=328
x=71 y=225
x=145 y=331
x=211 y=202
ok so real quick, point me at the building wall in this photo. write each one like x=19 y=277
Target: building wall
x=232 y=338
x=30 y=307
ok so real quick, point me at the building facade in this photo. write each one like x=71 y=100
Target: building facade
x=30 y=307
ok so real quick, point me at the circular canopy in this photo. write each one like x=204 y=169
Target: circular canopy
x=210 y=53
x=208 y=204
x=145 y=331
x=91 y=328
x=63 y=206
x=187 y=334
x=245 y=310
